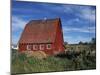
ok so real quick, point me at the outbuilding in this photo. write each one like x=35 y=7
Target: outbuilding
x=44 y=35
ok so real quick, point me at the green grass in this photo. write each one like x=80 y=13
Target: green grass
x=22 y=64
x=32 y=64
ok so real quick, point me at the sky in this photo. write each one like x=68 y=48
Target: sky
x=78 y=21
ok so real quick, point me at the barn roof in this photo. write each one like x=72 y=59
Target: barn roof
x=40 y=31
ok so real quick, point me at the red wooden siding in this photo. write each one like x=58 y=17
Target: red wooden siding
x=42 y=33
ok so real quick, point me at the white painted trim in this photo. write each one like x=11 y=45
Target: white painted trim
x=41 y=47
x=35 y=47
x=48 y=47
x=28 y=47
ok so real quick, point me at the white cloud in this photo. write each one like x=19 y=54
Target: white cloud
x=84 y=29
x=88 y=14
x=72 y=21
x=17 y=23
x=67 y=8
x=84 y=12
x=67 y=37
x=76 y=39
x=15 y=39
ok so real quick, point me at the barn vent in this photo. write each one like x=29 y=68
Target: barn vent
x=44 y=20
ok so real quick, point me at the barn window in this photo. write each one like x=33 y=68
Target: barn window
x=48 y=46
x=41 y=47
x=35 y=47
x=28 y=47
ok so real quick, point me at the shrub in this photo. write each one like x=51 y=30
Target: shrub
x=71 y=60
x=36 y=54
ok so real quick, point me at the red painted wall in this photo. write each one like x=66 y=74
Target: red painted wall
x=57 y=46
x=23 y=47
x=59 y=40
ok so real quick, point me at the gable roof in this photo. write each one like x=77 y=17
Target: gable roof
x=40 y=31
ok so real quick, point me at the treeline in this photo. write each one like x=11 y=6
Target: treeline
x=93 y=42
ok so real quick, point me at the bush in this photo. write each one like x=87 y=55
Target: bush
x=71 y=60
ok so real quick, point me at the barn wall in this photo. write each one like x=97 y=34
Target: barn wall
x=23 y=47
x=59 y=39
x=57 y=46
x=50 y=51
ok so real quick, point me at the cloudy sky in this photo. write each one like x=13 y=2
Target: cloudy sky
x=78 y=21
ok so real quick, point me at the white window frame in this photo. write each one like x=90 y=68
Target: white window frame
x=41 y=47
x=28 y=47
x=48 y=45
x=35 y=47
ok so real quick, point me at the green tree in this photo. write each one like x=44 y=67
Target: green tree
x=80 y=42
x=93 y=44
x=93 y=41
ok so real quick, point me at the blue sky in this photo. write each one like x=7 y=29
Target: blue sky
x=78 y=21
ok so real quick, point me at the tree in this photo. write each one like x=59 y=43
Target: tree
x=93 y=44
x=85 y=43
x=80 y=42
x=66 y=43
x=93 y=41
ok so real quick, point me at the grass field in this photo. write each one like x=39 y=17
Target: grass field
x=69 y=61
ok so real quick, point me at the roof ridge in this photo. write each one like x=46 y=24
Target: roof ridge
x=46 y=19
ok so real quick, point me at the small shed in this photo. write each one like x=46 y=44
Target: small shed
x=45 y=35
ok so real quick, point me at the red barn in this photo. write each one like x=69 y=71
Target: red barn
x=45 y=35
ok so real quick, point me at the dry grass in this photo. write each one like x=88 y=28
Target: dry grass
x=36 y=54
x=26 y=63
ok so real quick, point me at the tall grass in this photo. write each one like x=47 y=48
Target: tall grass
x=68 y=61
x=31 y=64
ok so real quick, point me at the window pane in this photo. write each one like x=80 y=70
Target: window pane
x=48 y=46
x=34 y=47
x=41 y=47
x=28 y=47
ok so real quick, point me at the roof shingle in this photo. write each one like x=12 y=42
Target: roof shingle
x=40 y=31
